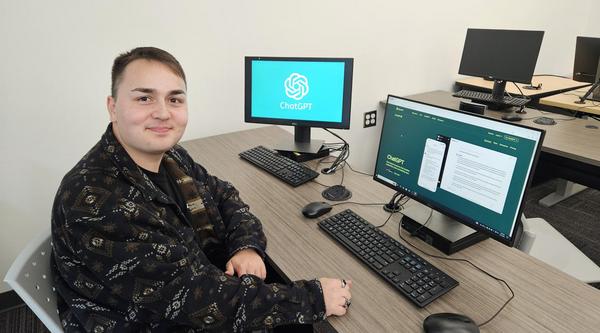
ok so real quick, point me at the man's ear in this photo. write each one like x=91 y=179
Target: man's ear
x=110 y=106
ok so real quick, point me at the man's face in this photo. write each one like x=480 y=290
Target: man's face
x=149 y=113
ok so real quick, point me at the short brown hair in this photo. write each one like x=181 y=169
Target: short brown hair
x=148 y=53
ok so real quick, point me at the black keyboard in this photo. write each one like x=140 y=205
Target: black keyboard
x=410 y=274
x=279 y=166
x=489 y=98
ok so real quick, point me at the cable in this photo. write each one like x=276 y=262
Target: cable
x=321 y=183
x=360 y=203
x=470 y=263
x=344 y=154
x=392 y=212
x=520 y=91
x=414 y=232
x=564 y=77
x=386 y=221
x=363 y=173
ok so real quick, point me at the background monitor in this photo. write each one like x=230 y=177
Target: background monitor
x=587 y=57
x=501 y=55
x=468 y=167
x=301 y=92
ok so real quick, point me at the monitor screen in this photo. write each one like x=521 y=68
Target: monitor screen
x=587 y=59
x=468 y=167
x=298 y=91
x=507 y=55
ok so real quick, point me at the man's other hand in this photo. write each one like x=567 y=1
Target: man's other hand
x=246 y=261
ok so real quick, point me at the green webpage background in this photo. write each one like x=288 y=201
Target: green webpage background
x=404 y=136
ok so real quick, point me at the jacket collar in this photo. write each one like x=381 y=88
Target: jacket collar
x=129 y=169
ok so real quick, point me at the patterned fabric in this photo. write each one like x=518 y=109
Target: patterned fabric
x=126 y=258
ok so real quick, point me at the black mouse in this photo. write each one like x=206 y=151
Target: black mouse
x=316 y=209
x=512 y=117
x=449 y=323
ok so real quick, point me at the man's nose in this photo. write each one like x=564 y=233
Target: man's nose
x=161 y=111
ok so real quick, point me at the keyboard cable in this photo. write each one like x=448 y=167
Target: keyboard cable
x=462 y=260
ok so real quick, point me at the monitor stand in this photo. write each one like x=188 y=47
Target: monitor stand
x=442 y=232
x=302 y=148
x=594 y=91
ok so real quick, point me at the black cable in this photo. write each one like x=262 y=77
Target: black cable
x=396 y=202
x=470 y=263
x=520 y=91
x=564 y=77
x=573 y=114
x=321 y=183
x=342 y=181
x=360 y=203
x=320 y=161
x=345 y=152
x=386 y=221
x=337 y=136
x=414 y=232
x=363 y=173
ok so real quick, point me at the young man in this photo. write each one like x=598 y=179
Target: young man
x=146 y=240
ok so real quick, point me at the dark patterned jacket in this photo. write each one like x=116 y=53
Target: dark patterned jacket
x=126 y=258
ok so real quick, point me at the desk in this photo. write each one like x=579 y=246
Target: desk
x=546 y=299
x=567 y=101
x=550 y=85
x=570 y=149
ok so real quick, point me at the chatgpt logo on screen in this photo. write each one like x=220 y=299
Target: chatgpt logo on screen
x=296 y=87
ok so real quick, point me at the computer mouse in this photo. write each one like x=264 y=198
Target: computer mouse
x=512 y=117
x=316 y=209
x=449 y=322
x=544 y=121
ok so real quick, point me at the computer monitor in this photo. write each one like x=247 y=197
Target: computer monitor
x=501 y=55
x=301 y=92
x=468 y=167
x=587 y=57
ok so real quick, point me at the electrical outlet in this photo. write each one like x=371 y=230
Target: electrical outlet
x=370 y=119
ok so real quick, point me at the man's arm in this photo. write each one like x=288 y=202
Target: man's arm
x=244 y=230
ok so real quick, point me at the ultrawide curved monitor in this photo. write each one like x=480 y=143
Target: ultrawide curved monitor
x=468 y=167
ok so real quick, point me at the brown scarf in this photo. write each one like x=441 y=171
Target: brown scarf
x=198 y=215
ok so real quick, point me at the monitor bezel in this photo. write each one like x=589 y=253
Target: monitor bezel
x=488 y=76
x=346 y=99
x=508 y=241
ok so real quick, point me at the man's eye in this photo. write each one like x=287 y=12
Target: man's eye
x=144 y=99
x=176 y=100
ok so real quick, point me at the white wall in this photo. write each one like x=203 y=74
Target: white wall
x=56 y=58
x=593 y=24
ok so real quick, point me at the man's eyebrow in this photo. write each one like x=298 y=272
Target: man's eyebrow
x=151 y=91
x=144 y=90
x=177 y=92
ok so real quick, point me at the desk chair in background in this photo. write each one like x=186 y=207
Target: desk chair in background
x=30 y=277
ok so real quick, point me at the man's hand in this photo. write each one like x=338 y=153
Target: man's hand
x=246 y=261
x=336 y=294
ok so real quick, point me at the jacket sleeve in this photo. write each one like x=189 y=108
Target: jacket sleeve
x=118 y=256
x=244 y=230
